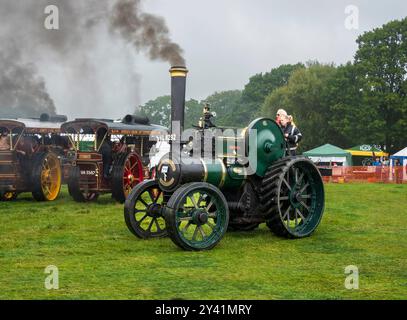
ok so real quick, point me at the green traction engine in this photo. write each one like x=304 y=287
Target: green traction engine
x=246 y=180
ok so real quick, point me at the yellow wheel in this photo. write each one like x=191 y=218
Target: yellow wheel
x=8 y=196
x=47 y=177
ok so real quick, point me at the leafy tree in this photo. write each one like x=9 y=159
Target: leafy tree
x=193 y=111
x=382 y=61
x=157 y=110
x=227 y=105
x=354 y=122
x=261 y=85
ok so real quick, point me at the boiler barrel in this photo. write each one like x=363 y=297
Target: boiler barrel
x=214 y=172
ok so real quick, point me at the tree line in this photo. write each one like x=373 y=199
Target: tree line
x=360 y=102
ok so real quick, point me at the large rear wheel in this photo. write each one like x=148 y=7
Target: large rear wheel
x=127 y=173
x=143 y=211
x=46 y=176
x=293 y=197
x=197 y=216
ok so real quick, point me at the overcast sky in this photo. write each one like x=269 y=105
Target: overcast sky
x=227 y=41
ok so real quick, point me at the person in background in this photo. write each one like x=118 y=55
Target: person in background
x=377 y=163
x=398 y=171
x=4 y=140
x=291 y=133
x=280 y=113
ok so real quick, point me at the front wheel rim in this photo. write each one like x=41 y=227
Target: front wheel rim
x=201 y=218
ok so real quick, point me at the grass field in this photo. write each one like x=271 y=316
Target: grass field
x=98 y=258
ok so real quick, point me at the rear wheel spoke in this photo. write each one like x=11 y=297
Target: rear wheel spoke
x=304 y=188
x=304 y=205
x=300 y=214
x=286 y=183
x=286 y=213
x=209 y=206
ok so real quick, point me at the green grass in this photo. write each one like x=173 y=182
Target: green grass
x=98 y=258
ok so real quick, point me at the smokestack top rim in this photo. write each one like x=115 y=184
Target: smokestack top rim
x=178 y=71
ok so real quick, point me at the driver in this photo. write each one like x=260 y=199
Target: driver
x=4 y=140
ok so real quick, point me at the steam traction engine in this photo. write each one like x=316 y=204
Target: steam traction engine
x=108 y=156
x=31 y=159
x=195 y=202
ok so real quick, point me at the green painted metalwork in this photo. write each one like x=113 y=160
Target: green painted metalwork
x=265 y=144
x=224 y=176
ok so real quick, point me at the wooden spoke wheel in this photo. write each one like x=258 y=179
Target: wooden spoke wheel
x=46 y=177
x=143 y=211
x=127 y=173
x=197 y=216
x=293 y=196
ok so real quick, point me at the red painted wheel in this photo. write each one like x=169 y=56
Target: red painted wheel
x=127 y=173
x=132 y=173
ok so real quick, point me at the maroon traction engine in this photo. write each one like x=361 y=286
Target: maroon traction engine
x=109 y=156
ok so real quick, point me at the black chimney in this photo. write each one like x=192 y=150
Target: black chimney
x=178 y=86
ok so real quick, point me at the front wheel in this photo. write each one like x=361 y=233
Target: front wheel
x=143 y=211
x=197 y=216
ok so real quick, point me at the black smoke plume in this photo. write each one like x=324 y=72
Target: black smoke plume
x=22 y=90
x=147 y=32
x=84 y=65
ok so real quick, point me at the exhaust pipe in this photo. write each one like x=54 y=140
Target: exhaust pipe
x=178 y=89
